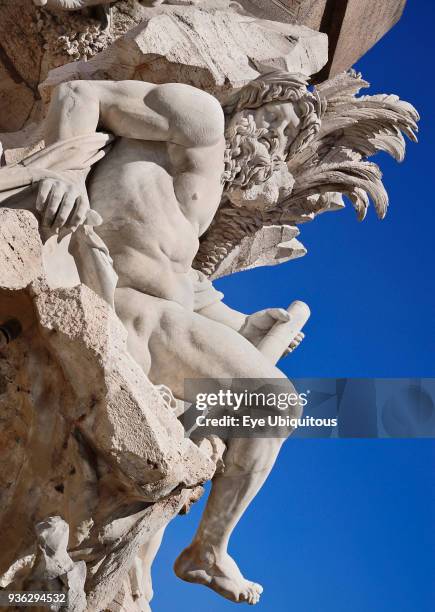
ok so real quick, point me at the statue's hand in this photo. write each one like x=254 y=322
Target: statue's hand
x=257 y=325
x=294 y=343
x=62 y=199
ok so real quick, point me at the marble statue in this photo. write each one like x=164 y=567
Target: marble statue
x=174 y=159
x=145 y=192
x=157 y=191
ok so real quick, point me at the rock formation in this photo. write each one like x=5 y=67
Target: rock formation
x=84 y=435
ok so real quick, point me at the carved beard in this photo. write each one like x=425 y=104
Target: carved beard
x=250 y=156
x=255 y=175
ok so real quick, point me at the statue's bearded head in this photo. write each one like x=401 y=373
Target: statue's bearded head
x=268 y=121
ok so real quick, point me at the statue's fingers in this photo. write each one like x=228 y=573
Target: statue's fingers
x=258 y=321
x=95 y=157
x=44 y=190
x=93 y=218
x=279 y=314
x=257 y=315
x=54 y=201
x=65 y=211
x=80 y=212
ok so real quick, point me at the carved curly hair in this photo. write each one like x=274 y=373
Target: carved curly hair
x=277 y=87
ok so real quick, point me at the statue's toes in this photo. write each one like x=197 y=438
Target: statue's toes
x=244 y=595
x=257 y=587
x=253 y=594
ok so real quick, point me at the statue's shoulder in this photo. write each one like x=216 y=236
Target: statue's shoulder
x=197 y=114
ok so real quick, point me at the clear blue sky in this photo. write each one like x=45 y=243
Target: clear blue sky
x=348 y=525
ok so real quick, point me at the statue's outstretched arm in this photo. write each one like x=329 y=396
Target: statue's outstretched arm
x=171 y=112
x=258 y=326
x=220 y=312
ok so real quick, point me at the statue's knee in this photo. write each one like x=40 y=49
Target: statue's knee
x=286 y=399
x=257 y=460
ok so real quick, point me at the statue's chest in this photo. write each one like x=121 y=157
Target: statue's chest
x=133 y=177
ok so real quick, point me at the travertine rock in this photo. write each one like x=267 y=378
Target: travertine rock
x=216 y=50
x=269 y=244
x=52 y=38
x=70 y=5
x=352 y=26
x=84 y=435
x=20 y=65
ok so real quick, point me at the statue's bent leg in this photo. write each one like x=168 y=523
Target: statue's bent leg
x=171 y=344
x=187 y=345
x=248 y=463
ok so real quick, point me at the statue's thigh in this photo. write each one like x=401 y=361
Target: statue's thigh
x=188 y=345
x=140 y=315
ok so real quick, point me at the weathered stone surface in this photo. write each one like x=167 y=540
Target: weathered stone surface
x=303 y=12
x=34 y=40
x=19 y=235
x=53 y=568
x=120 y=412
x=352 y=26
x=123 y=543
x=16 y=100
x=270 y=245
x=19 y=64
x=84 y=436
x=215 y=50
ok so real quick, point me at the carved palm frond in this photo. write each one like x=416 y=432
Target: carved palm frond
x=359 y=181
x=240 y=239
x=367 y=124
x=352 y=129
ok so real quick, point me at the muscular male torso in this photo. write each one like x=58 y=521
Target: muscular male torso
x=156 y=199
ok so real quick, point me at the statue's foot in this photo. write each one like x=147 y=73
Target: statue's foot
x=217 y=571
